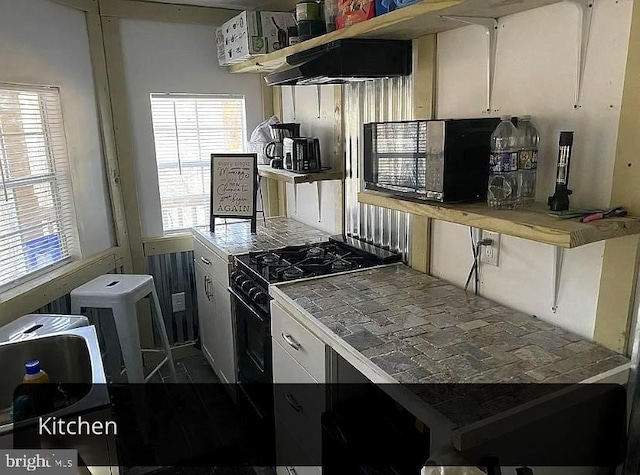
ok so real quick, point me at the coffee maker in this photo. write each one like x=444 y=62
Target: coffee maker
x=274 y=150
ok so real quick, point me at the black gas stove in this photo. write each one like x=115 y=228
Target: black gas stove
x=251 y=275
x=339 y=254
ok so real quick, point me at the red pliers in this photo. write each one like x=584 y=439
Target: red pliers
x=610 y=213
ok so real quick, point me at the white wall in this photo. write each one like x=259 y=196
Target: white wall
x=535 y=74
x=43 y=43
x=306 y=113
x=172 y=58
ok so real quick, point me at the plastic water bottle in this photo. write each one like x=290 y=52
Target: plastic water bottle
x=527 y=160
x=502 y=192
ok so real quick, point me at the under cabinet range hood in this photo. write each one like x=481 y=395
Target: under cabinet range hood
x=344 y=61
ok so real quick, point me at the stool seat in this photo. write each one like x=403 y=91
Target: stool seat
x=114 y=288
x=120 y=292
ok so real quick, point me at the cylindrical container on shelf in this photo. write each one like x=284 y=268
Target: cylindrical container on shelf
x=529 y=139
x=330 y=12
x=502 y=190
x=310 y=29
x=308 y=11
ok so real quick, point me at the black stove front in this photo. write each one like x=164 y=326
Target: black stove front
x=249 y=287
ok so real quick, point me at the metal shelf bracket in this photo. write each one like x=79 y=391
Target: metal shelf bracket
x=490 y=26
x=558 y=260
x=319 y=98
x=293 y=101
x=319 y=192
x=586 y=13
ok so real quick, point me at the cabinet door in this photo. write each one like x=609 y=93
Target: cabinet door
x=224 y=336
x=205 y=293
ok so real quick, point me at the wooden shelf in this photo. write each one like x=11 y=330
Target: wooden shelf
x=533 y=223
x=407 y=23
x=295 y=178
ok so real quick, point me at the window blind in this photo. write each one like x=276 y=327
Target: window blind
x=187 y=129
x=37 y=218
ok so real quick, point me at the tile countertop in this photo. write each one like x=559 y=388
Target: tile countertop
x=401 y=326
x=236 y=238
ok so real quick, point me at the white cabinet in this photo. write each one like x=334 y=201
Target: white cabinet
x=214 y=312
x=298 y=363
x=206 y=310
x=300 y=343
x=224 y=338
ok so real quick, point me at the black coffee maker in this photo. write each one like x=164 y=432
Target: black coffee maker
x=274 y=150
x=302 y=154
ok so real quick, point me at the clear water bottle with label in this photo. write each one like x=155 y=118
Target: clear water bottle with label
x=502 y=192
x=527 y=161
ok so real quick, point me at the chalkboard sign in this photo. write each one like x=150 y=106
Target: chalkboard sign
x=234 y=178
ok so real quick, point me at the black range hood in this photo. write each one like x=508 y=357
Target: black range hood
x=344 y=61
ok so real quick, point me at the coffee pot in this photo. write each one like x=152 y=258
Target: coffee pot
x=274 y=149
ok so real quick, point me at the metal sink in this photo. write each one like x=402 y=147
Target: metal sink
x=68 y=357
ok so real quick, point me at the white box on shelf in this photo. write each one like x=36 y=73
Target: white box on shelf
x=251 y=33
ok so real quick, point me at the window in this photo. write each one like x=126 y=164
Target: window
x=187 y=129
x=37 y=222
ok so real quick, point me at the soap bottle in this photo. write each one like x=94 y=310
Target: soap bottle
x=36 y=388
x=33 y=373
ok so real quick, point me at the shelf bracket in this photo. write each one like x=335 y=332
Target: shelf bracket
x=586 y=13
x=558 y=260
x=319 y=193
x=293 y=101
x=490 y=26
x=319 y=97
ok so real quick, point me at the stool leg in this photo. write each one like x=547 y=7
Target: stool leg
x=129 y=337
x=162 y=331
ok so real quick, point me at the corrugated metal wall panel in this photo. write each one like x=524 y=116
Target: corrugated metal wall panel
x=175 y=273
x=373 y=101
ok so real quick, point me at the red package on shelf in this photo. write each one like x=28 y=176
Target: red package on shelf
x=354 y=11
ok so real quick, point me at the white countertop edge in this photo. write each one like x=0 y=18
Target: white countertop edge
x=206 y=242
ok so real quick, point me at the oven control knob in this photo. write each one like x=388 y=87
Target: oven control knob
x=260 y=298
x=246 y=285
x=235 y=274
x=253 y=291
x=239 y=278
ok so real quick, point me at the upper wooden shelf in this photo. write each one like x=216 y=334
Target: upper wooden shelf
x=295 y=178
x=406 y=23
x=533 y=223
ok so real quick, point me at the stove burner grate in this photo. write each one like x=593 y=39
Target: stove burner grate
x=291 y=273
x=269 y=259
x=342 y=265
x=315 y=252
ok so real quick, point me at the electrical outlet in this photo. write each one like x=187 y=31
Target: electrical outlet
x=178 y=302
x=490 y=254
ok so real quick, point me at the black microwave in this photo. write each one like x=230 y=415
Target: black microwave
x=436 y=160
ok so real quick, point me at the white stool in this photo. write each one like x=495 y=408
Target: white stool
x=120 y=292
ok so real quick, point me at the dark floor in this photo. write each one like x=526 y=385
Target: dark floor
x=189 y=370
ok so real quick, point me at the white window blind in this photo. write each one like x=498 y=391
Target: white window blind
x=37 y=219
x=187 y=129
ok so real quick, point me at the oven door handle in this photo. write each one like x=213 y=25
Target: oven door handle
x=243 y=300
